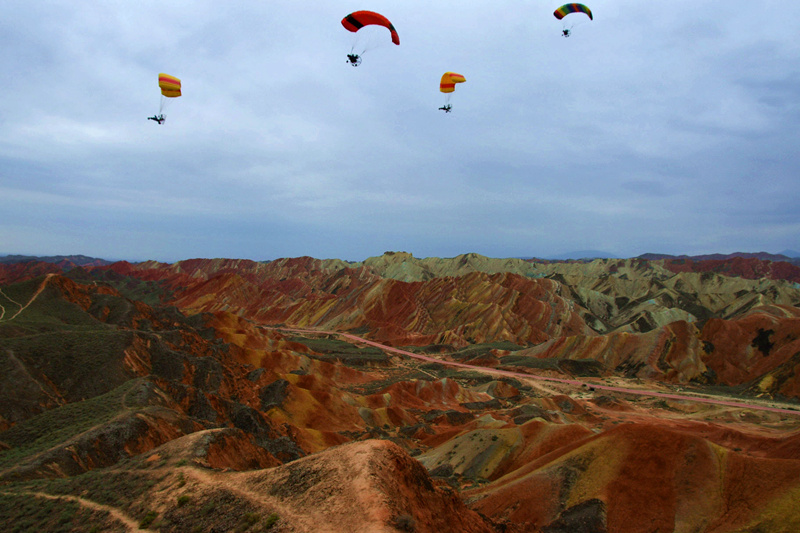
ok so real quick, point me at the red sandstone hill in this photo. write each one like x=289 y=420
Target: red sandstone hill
x=631 y=316
x=14 y=272
x=641 y=477
x=759 y=349
x=749 y=268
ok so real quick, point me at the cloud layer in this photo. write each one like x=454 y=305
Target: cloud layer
x=665 y=127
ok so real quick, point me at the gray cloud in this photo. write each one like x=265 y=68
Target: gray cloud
x=659 y=126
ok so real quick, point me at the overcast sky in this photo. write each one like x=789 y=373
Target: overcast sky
x=661 y=126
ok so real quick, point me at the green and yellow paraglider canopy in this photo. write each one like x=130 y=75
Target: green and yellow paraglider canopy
x=566 y=9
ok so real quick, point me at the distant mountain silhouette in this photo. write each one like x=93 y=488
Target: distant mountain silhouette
x=763 y=256
x=582 y=254
x=66 y=262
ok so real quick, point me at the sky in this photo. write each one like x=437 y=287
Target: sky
x=666 y=126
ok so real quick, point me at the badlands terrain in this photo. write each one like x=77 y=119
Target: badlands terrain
x=464 y=394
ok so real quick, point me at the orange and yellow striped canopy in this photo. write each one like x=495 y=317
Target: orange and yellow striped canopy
x=170 y=85
x=449 y=80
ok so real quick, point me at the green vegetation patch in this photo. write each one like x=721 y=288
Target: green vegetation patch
x=724 y=391
x=530 y=362
x=582 y=367
x=247 y=521
x=148 y=519
x=331 y=350
x=377 y=386
x=474 y=351
x=469 y=376
x=271 y=520
x=55 y=426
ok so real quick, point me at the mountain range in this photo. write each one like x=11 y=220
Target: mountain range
x=401 y=394
x=791 y=256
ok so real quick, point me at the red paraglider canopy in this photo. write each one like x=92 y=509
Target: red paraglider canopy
x=358 y=19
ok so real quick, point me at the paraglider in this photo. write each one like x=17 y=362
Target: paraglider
x=565 y=10
x=361 y=43
x=170 y=88
x=447 y=86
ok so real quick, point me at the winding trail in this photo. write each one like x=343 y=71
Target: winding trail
x=23 y=307
x=238 y=486
x=522 y=375
x=2 y=308
x=129 y=523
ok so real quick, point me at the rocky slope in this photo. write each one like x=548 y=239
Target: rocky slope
x=634 y=317
x=99 y=377
x=646 y=474
x=172 y=393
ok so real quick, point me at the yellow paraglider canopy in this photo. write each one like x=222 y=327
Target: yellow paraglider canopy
x=170 y=85
x=449 y=80
x=447 y=86
x=170 y=88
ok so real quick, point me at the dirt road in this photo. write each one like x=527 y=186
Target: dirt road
x=750 y=404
